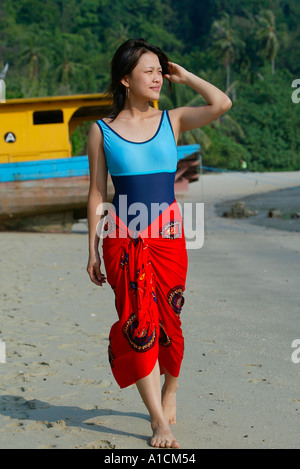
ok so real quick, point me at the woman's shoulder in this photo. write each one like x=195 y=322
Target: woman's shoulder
x=107 y=120
x=177 y=111
x=95 y=133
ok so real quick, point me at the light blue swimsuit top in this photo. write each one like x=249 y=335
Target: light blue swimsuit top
x=144 y=171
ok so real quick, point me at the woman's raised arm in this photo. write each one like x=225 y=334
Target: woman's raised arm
x=188 y=118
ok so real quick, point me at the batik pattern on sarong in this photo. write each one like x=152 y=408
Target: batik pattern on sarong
x=147 y=272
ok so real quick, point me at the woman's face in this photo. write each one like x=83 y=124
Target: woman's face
x=145 y=80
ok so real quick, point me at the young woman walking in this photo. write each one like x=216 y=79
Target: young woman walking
x=145 y=256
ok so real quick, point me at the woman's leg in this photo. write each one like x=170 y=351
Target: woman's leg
x=150 y=391
x=169 y=397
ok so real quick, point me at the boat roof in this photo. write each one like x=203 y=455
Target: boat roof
x=47 y=99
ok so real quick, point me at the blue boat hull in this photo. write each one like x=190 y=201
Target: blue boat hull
x=76 y=166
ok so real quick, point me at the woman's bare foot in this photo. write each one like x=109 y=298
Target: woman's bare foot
x=162 y=436
x=169 y=405
x=150 y=391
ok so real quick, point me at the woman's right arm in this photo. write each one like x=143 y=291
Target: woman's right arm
x=97 y=195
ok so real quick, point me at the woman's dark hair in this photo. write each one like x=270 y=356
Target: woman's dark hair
x=123 y=62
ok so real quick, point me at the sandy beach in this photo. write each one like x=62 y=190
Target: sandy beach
x=239 y=387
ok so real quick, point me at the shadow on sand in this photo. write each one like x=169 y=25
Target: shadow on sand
x=18 y=408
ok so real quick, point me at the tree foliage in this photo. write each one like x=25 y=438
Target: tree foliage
x=65 y=47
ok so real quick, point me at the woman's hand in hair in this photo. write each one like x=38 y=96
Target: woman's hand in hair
x=177 y=74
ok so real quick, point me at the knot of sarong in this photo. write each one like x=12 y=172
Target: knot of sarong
x=141 y=280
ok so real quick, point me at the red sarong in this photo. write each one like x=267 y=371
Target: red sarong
x=147 y=274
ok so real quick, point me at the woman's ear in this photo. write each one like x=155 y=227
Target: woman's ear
x=124 y=81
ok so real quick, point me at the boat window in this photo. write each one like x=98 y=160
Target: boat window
x=48 y=117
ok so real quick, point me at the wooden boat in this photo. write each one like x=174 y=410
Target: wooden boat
x=48 y=187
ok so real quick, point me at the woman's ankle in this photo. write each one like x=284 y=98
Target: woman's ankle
x=160 y=422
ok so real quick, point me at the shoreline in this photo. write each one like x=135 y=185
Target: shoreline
x=286 y=202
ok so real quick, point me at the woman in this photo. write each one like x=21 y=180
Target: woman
x=145 y=256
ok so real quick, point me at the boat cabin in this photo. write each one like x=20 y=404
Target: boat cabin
x=41 y=128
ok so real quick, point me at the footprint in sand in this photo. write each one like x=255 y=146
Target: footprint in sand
x=99 y=444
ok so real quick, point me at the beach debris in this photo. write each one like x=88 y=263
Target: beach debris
x=239 y=210
x=274 y=213
x=31 y=404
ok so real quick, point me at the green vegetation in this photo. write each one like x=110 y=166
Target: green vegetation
x=248 y=48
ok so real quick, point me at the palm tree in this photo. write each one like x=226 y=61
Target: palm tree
x=34 y=55
x=269 y=36
x=117 y=35
x=68 y=68
x=227 y=45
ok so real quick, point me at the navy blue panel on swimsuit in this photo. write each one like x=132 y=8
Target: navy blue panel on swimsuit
x=141 y=171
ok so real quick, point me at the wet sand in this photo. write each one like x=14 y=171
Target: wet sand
x=239 y=387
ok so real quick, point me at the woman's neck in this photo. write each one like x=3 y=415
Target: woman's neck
x=136 y=108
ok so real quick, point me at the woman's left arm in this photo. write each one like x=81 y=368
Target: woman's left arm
x=188 y=118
